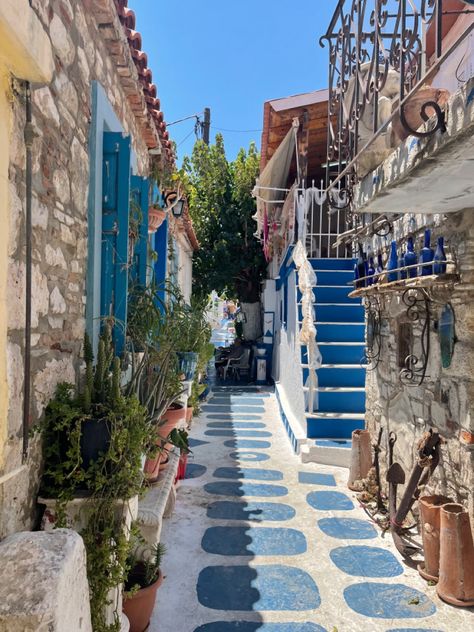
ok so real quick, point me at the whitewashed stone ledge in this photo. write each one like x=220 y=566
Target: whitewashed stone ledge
x=43 y=583
x=158 y=502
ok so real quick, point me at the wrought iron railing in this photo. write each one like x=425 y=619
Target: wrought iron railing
x=381 y=54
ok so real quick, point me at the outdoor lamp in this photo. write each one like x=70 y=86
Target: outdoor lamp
x=178 y=208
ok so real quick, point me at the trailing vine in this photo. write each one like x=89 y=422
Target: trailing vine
x=109 y=480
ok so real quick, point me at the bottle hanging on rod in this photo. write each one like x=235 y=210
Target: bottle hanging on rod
x=361 y=267
x=439 y=259
x=426 y=255
x=371 y=272
x=392 y=263
x=411 y=258
x=401 y=264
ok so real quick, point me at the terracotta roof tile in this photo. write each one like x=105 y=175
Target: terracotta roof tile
x=128 y=19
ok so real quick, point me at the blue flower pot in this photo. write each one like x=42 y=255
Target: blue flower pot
x=187 y=363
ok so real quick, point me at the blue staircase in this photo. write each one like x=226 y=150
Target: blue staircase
x=341 y=340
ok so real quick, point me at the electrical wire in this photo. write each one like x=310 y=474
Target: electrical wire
x=193 y=131
x=236 y=131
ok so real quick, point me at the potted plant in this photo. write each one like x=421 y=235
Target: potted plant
x=93 y=441
x=153 y=329
x=180 y=439
x=141 y=585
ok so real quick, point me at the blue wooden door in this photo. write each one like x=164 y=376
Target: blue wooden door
x=115 y=225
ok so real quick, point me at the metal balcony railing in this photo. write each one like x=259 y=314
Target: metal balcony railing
x=381 y=54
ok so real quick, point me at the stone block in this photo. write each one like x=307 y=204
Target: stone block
x=43 y=585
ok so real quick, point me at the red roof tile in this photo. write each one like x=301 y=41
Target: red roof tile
x=128 y=20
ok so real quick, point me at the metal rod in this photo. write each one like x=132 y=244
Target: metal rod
x=29 y=136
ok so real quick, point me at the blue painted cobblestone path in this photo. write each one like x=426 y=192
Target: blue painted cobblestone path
x=261 y=542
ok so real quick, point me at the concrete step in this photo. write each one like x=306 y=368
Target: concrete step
x=331 y=294
x=341 y=398
x=332 y=264
x=339 y=313
x=341 y=375
x=330 y=451
x=340 y=332
x=335 y=277
x=333 y=424
x=338 y=353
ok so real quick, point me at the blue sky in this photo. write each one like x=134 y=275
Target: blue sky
x=231 y=56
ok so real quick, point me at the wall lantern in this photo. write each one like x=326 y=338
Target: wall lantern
x=174 y=203
x=178 y=208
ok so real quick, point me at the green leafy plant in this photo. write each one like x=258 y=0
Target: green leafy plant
x=180 y=439
x=143 y=563
x=110 y=479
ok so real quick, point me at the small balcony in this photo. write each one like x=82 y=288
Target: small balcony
x=401 y=106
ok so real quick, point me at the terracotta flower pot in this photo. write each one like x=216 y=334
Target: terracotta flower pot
x=430 y=507
x=456 y=557
x=361 y=458
x=412 y=109
x=183 y=462
x=139 y=606
x=171 y=419
x=156 y=216
x=152 y=468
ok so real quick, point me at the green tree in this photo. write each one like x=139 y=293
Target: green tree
x=221 y=206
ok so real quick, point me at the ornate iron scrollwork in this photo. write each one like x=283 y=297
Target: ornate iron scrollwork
x=373 y=344
x=418 y=311
x=376 y=58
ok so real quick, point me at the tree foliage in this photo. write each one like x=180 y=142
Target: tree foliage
x=221 y=206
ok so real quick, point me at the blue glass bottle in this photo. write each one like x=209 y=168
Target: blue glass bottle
x=426 y=255
x=361 y=267
x=371 y=272
x=401 y=264
x=439 y=259
x=356 y=275
x=392 y=263
x=411 y=258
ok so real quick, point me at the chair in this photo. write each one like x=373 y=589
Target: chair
x=237 y=366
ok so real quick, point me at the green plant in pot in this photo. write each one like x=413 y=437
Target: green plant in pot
x=153 y=330
x=93 y=441
x=194 y=332
x=141 y=585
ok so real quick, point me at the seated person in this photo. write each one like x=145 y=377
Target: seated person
x=234 y=352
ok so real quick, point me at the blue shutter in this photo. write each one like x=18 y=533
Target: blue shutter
x=161 y=248
x=140 y=196
x=115 y=220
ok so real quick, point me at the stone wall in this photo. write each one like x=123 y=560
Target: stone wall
x=61 y=118
x=445 y=399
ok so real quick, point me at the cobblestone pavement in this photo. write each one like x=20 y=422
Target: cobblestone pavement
x=259 y=541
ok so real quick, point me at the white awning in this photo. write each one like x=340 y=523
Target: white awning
x=270 y=186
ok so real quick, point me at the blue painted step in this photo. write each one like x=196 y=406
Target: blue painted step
x=333 y=425
x=341 y=375
x=342 y=332
x=336 y=399
x=338 y=313
x=333 y=264
x=335 y=277
x=338 y=353
x=332 y=294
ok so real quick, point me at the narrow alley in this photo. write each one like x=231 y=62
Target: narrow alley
x=260 y=541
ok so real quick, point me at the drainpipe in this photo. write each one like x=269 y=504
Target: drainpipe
x=29 y=137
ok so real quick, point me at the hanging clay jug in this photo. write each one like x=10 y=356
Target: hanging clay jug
x=413 y=109
x=430 y=507
x=361 y=458
x=456 y=557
